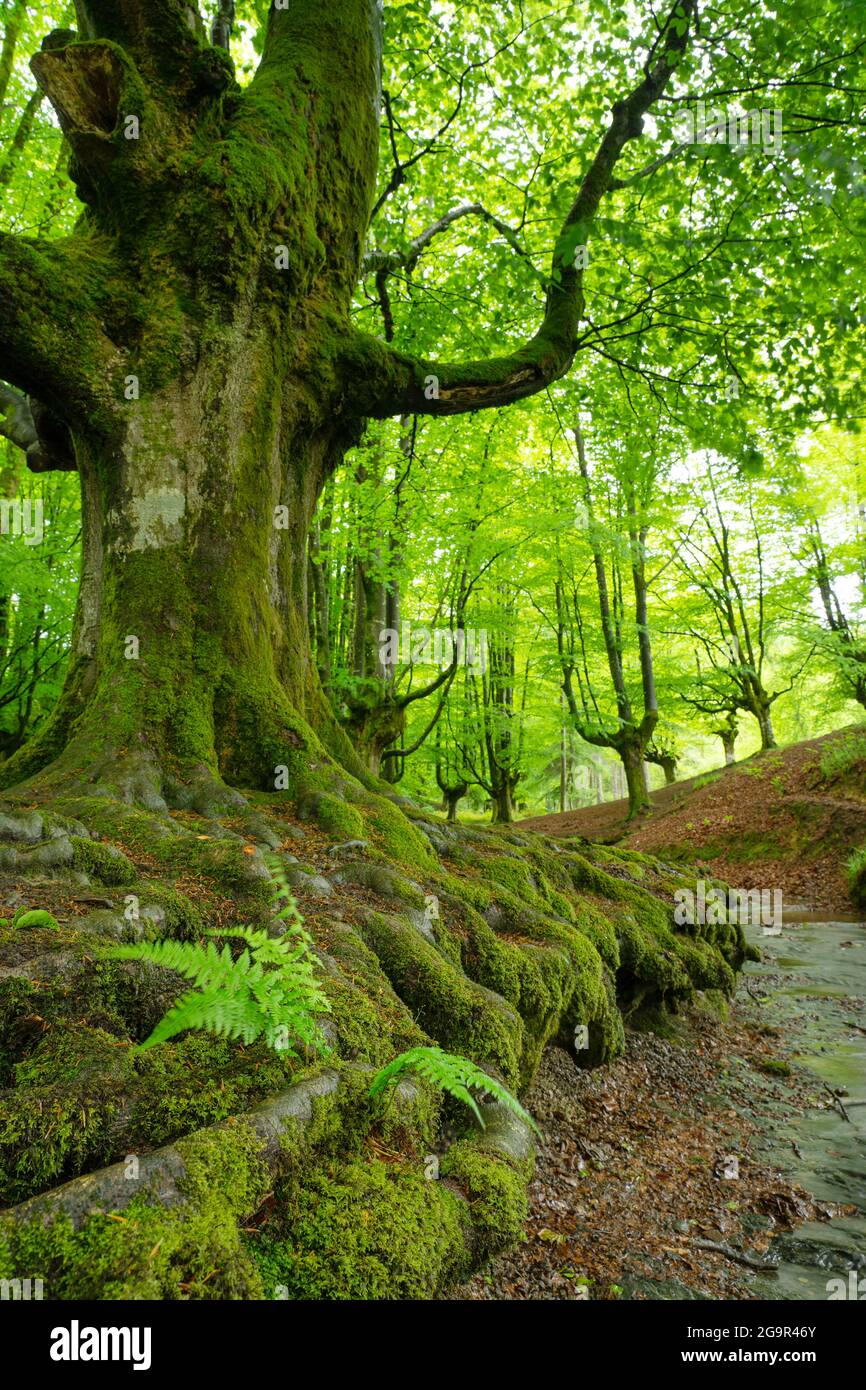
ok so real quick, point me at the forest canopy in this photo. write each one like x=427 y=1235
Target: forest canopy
x=658 y=553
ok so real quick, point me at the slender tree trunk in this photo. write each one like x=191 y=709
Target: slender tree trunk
x=765 y=724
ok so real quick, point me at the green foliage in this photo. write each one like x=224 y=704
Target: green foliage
x=270 y=991
x=843 y=756
x=856 y=868
x=35 y=917
x=457 y=1076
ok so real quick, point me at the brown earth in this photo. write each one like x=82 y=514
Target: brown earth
x=785 y=819
x=651 y=1179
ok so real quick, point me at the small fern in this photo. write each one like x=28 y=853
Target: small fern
x=269 y=991
x=455 y=1075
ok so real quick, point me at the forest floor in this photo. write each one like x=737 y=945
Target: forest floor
x=785 y=819
x=673 y=1149
x=649 y=1161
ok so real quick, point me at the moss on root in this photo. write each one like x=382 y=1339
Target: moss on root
x=507 y=944
x=496 y=1192
x=191 y=1250
x=448 y=1005
x=365 y=1231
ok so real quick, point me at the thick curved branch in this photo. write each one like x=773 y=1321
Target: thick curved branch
x=26 y=424
x=53 y=346
x=385 y=382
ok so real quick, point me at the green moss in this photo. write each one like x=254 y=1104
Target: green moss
x=358 y=1028
x=512 y=874
x=83 y=1099
x=57 y=1119
x=183 y=920
x=198 y=1081
x=773 y=1066
x=365 y=1231
x=102 y=862
x=447 y=1005
x=396 y=835
x=496 y=1192
x=190 y=1250
x=338 y=818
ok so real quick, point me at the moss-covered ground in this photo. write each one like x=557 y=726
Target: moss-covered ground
x=491 y=943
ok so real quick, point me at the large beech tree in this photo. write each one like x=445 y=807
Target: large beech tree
x=190 y=348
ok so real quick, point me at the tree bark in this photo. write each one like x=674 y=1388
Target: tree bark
x=192 y=339
x=631 y=752
x=201 y=398
x=765 y=724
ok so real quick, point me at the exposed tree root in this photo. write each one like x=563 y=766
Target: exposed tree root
x=491 y=943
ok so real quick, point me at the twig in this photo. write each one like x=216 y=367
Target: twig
x=837 y=1101
x=739 y=1256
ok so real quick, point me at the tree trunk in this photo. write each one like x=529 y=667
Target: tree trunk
x=503 y=808
x=205 y=428
x=191 y=646
x=728 y=743
x=631 y=753
x=765 y=724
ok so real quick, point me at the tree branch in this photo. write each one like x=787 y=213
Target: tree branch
x=27 y=425
x=385 y=382
x=54 y=301
x=377 y=261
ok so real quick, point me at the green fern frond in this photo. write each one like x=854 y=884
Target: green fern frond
x=271 y=990
x=455 y=1075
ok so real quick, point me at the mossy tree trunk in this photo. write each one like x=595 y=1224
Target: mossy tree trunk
x=190 y=346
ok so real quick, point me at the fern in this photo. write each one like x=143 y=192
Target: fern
x=455 y=1075
x=269 y=991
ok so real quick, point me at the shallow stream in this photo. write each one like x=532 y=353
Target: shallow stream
x=812 y=983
